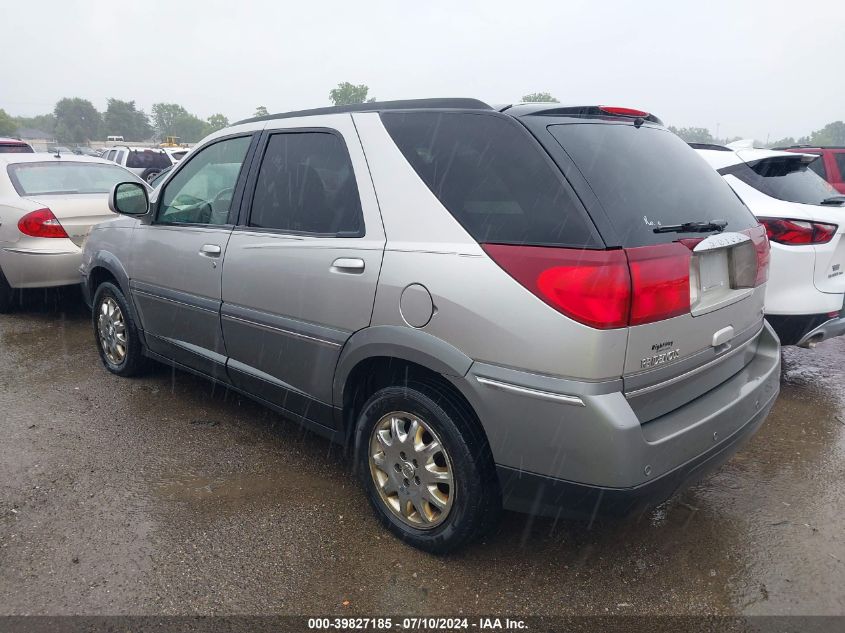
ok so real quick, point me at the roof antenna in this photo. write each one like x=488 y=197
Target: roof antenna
x=58 y=152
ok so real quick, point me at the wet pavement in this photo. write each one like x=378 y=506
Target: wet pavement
x=166 y=495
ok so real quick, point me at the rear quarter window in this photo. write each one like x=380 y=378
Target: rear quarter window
x=493 y=177
x=645 y=177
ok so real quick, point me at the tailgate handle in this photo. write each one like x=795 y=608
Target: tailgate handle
x=723 y=336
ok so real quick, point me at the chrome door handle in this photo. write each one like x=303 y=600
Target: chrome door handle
x=210 y=250
x=352 y=265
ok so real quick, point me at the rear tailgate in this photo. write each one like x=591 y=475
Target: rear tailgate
x=77 y=213
x=647 y=182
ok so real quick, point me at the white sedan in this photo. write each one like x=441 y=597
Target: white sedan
x=805 y=220
x=48 y=205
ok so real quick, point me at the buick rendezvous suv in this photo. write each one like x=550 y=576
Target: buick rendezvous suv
x=557 y=310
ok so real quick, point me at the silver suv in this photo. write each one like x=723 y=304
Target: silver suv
x=557 y=310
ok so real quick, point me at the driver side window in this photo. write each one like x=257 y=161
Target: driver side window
x=201 y=193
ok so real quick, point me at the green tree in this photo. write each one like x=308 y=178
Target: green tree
x=539 y=97
x=165 y=116
x=8 y=125
x=215 y=122
x=347 y=93
x=784 y=142
x=830 y=134
x=693 y=134
x=77 y=120
x=261 y=111
x=123 y=119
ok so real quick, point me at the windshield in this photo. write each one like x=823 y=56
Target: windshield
x=785 y=178
x=30 y=179
x=646 y=177
x=144 y=159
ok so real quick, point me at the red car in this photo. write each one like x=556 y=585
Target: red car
x=14 y=145
x=831 y=165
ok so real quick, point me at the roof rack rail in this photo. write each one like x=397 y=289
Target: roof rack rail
x=378 y=106
x=714 y=146
x=809 y=146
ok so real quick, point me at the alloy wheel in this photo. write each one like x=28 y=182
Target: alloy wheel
x=111 y=327
x=411 y=470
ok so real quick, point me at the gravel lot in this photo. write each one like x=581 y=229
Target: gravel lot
x=164 y=495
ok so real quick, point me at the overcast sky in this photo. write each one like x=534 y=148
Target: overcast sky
x=754 y=68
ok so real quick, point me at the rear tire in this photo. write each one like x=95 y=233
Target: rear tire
x=7 y=295
x=426 y=467
x=150 y=173
x=115 y=332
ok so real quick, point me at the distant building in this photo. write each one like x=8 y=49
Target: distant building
x=30 y=134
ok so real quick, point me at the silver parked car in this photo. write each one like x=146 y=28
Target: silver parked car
x=48 y=204
x=552 y=309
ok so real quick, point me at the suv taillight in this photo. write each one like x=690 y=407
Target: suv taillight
x=41 y=223
x=760 y=240
x=798 y=232
x=603 y=289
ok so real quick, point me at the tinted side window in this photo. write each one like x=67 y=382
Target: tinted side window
x=306 y=185
x=840 y=162
x=201 y=193
x=144 y=159
x=492 y=177
x=818 y=166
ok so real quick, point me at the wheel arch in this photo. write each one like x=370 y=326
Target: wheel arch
x=106 y=266
x=382 y=355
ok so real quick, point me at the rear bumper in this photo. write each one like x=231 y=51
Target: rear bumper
x=39 y=268
x=563 y=458
x=546 y=496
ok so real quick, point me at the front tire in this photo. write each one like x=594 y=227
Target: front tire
x=115 y=332
x=426 y=467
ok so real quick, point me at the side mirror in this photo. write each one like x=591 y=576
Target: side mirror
x=129 y=198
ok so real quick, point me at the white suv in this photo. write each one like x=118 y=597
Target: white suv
x=146 y=162
x=803 y=216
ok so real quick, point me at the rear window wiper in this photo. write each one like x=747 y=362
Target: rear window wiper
x=692 y=227
x=834 y=200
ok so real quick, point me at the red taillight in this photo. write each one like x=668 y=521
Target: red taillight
x=592 y=287
x=616 y=111
x=603 y=289
x=760 y=240
x=659 y=282
x=41 y=223
x=798 y=232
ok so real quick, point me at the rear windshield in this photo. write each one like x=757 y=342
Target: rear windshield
x=492 y=177
x=31 y=179
x=15 y=148
x=646 y=177
x=144 y=159
x=785 y=178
